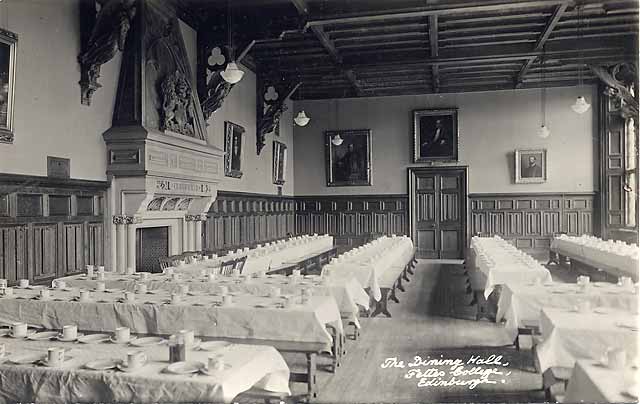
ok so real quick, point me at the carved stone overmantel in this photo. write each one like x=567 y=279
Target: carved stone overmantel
x=108 y=36
x=271 y=100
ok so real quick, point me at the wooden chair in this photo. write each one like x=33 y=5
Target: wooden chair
x=165 y=262
x=226 y=268
x=239 y=265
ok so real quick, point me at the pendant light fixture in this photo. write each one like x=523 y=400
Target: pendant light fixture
x=336 y=140
x=581 y=105
x=301 y=119
x=544 y=131
x=231 y=74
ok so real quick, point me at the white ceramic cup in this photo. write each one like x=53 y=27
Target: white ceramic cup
x=129 y=296
x=23 y=283
x=227 y=300
x=176 y=298
x=224 y=290
x=61 y=284
x=188 y=336
x=3 y=283
x=216 y=363
x=101 y=286
x=19 y=330
x=616 y=359
x=101 y=269
x=85 y=296
x=90 y=269
x=55 y=356
x=211 y=277
x=175 y=277
x=45 y=294
x=122 y=334
x=100 y=276
x=136 y=359
x=141 y=288
x=169 y=271
x=70 y=332
x=7 y=291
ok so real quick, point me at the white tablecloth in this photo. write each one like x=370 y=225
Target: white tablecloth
x=592 y=382
x=522 y=303
x=249 y=317
x=249 y=366
x=376 y=264
x=600 y=254
x=569 y=336
x=500 y=263
x=346 y=291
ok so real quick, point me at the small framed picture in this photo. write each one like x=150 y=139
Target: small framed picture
x=279 y=162
x=531 y=166
x=435 y=135
x=233 y=149
x=8 y=43
x=348 y=157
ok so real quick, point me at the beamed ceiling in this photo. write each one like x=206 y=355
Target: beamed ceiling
x=358 y=48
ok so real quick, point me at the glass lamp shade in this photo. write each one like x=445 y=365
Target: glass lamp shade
x=301 y=119
x=337 y=140
x=231 y=73
x=581 y=105
x=544 y=131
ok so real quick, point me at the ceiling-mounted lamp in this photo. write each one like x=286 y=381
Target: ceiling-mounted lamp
x=301 y=119
x=231 y=74
x=544 y=131
x=581 y=105
x=337 y=140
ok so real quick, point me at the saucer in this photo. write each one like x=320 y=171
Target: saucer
x=24 y=336
x=213 y=372
x=148 y=341
x=211 y=346
x=601 y=310
x=94 y=338
x=42 y=336
x=62 y=339
x=187 y=367
x=45 y=362
x=112 y=340
x=124 y=368
x=26 y=358
x=102 y=364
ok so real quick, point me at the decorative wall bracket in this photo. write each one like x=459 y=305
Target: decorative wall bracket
x=108 y=36
x=270 y=104
x=619 y=79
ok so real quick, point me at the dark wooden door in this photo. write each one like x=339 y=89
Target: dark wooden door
x=438 y=211
x=152 y=243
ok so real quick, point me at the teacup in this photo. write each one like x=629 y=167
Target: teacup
x=85 y=296
x=296 y=272
x=55 y=356
x=101 y=269
x=19 y=330
x=176 y=298
x=181 y=263
x=211 y=277
x=224 y=290
x=215 y=363
x=141 y=288
x=136 y=359
x=3 y=283
x=129 y=296
x=7 y=291
x=90 y=269
x=70 y=332
x=188 y=336
x=61 y=284
x=101 y=286
x=45 y=294
x=227 y=300
x=122 y=334
x=23 y=283
x=169 y=271
x=100 y=276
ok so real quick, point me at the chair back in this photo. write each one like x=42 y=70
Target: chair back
x=165 y=262
x=239 y=266
x=226 y=268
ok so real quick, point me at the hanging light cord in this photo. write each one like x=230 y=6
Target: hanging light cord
x=543 y=93
x=229 y=32
x=579 y=35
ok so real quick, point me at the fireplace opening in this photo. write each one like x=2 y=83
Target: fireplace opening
x=151 y=243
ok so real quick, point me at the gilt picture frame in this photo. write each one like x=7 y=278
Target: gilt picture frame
x=530 y=166
x=233 y=149
x=435 y=135
x=279 y=162
x=348 y=157
x=8 y=52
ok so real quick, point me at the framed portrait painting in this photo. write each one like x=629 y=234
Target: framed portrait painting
x=8 y=43
x=435 y=135
x=348 y=157
x=531 y=166
x=279 y=162
x=233 y=149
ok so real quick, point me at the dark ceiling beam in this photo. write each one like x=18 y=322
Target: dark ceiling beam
x=492 y=6
x=327 y=43
x=493 y=19
x=433 y=47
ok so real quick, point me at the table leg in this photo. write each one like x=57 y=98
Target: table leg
x=393 y=296
x=311 y=372
x=410 y=266
x=404 y=275
x=399 y=284
x=381 y=306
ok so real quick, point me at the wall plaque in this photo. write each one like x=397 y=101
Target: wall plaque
x=58 y=167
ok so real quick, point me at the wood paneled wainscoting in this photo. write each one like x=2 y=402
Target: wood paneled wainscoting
x=530 y=220
x=49 y=227
x=240 y=219
x=352 y=219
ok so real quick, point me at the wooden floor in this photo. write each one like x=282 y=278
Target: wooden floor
x=412 y=332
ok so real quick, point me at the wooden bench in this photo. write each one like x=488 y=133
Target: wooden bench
x=388 y=288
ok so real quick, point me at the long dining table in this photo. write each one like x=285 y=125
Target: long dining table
x=347 y=292
x=595 y=382
x=78 y=380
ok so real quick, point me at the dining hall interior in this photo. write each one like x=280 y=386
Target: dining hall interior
x=319 y=201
